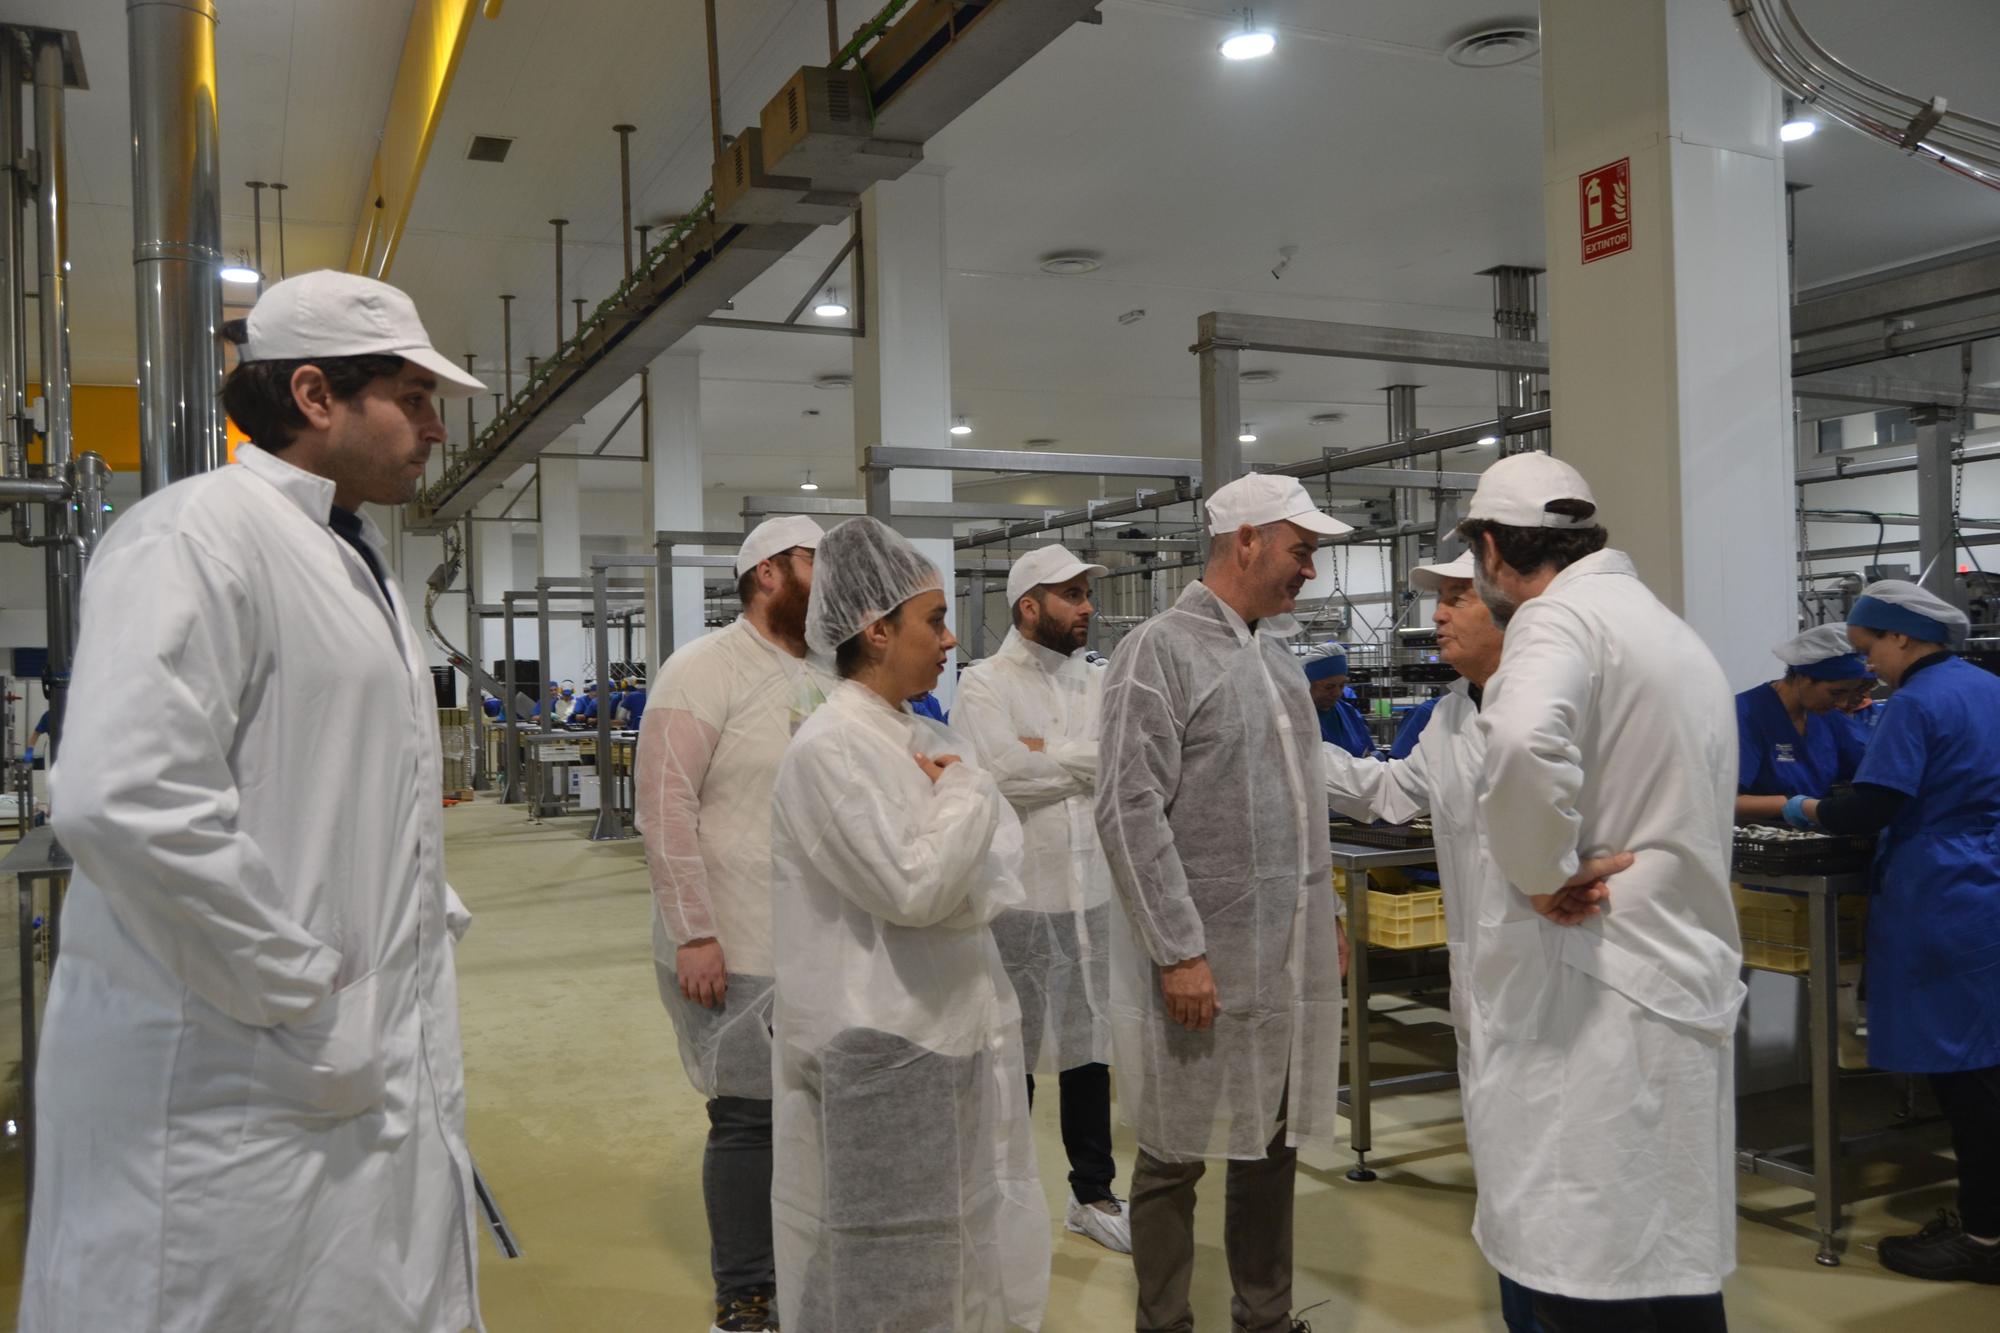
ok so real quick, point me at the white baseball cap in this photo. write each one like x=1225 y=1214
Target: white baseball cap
x=1517 y=490
x=326 y=313
x=1261 y=498
x=775 y=536
x=1429 y=577
x=1046 y=564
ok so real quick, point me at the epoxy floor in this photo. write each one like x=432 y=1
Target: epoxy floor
x=586 y=1131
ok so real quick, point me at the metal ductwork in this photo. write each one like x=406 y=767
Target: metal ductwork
x=176 y=238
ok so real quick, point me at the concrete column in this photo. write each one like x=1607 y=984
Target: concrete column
x=559 y=550
x=493 y=574
x=673 y=488
x=1670 y=374
x=902 y=368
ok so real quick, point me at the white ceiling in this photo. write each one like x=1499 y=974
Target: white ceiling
x=1397 y=174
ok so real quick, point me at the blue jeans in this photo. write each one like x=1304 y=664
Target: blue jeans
x=1517 y=1307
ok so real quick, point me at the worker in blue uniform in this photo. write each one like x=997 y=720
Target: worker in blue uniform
x=633 y=704
x=1930 y=784
x=1412 y=729
x=1794 y=736
x=1340 y=722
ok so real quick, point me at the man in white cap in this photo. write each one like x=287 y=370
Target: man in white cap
x=1226 y=995
x=1608 y=729
x=1030 y=711
x=1440 y=777
x=708 y=754
x=250 y=1098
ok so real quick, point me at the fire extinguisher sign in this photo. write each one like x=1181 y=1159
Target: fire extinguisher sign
x=1604 y=197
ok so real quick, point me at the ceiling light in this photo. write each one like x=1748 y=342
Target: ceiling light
x=1797 y=124
x=834 y=382
x=1071 y=263
x=1487 y=439
x=1490 y=48
x=1252 y=43
x=831 y=306
x=1039 y=441
x=1258 y=377
x=240 y=271
x=809 y=484
x=958 y=426
x=1328 y=418
x=1131 y=317
x=1246 y=435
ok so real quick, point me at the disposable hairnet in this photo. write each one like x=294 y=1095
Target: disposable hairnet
x=1815 y=645
x=1329 y=660
x=1897 y=607
x=864 y=570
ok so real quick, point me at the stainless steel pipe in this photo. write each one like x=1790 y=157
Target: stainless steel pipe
x=507 y=345
x=13 y=278
x=51 y=249
x=176 y=238
x=559 y=224
x=624 y=133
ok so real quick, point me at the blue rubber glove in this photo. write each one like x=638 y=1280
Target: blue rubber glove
x=1795 y=813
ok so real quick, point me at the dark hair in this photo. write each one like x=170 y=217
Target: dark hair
x=850 y=657
x=746 y=583
x=1041 y=600
x=258 y=394
x=1528 y=550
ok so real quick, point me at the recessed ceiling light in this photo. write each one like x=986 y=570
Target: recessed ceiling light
x=1328 y=418
x=830 y=306
x=834 y=382
x=1258 y=377
x=1490 y=48
x=1071 y=263
x=958 y=426
x=1246 y=435
x=1252 y=43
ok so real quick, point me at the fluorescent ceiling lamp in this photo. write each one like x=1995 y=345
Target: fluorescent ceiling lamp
x=830 y=307
x=958 y=427
x=1251 y=44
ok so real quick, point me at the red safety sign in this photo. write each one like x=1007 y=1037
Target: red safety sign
x=1605 y=198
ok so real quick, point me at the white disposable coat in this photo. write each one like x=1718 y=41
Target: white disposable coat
x=250 y=1098
x=717 y=723
x=1055 y=945
x=1605 y=1094
x=1210 y=810
x=884 y=885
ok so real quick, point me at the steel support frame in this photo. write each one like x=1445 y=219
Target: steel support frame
x=1937 y=544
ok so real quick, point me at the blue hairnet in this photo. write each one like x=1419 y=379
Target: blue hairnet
x=1331 y=661
x=1893 y=606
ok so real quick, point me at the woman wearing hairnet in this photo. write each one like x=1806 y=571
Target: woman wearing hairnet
x=1793 y=735
x=1931 y=786
x=905 y=1194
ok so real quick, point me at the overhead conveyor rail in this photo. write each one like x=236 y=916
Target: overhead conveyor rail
x=828 y=135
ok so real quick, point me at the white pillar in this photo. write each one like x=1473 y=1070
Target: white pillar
x=1670 y=362
x=673 y=486
x=493 y=574
x=559 y=540
x=902 y=368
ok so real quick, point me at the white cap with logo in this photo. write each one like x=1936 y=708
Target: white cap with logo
x=775 y=536
x=1429 y=577
x=325 y=313
x=1046 y=564
x=1261 y=498
x=1516 y=492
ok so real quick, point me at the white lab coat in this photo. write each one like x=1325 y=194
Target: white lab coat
x=721 y=714
x=1209 y=807
x=1056 y=946
x=1604 y=1096
x=250 y=1099
x=883 y=887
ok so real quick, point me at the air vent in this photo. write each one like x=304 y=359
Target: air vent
x=1490 y=48
x=1071 y=263
x=839 y=104
x=834 y=382
x=1258 y=377
x=1039 y=441
x=488 y=148
x=792 y=105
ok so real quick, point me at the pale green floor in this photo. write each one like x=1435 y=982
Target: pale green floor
x=585 y=1128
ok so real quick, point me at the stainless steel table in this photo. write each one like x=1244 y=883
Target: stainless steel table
x=1817 y=1166
x=1358 y=1095
x=37 y=862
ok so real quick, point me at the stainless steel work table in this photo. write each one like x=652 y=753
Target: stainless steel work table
x=1359 y=1093
x=36 y=864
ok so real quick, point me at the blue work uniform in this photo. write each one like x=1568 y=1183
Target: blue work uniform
x=635 y=707
x=927 y=705
x=1343 y=725
x=1412 y=729
x=1934 y=922
x=1773 y=759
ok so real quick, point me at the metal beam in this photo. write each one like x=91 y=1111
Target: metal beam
x=1890 y=390
x=1844 y=469
x=1417 y=479
x=879 y=457
x=763 y=506
x=1897 y=342
x=1369 y=342
x=772 y=326
x=1966 y=275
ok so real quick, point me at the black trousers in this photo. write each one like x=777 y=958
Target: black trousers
x=1086 y=1129
x=1661 y=1314
x=1970 y=1101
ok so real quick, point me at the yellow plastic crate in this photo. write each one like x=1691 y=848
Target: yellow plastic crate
x=1406 y=918
x=1776 y=929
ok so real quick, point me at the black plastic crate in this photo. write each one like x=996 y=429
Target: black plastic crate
x=1396 y=837
x=1769 y=850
